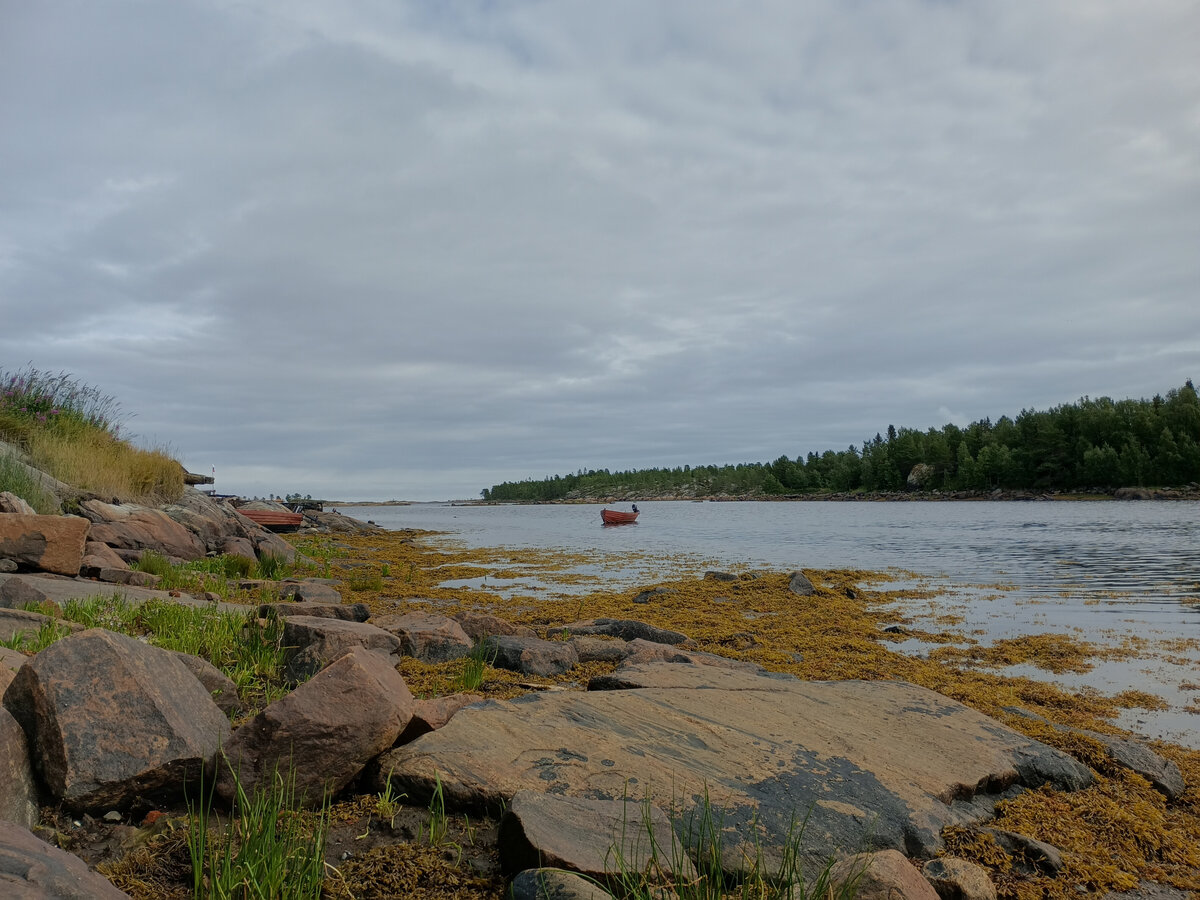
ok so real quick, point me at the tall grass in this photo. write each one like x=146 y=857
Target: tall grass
x=269 y=849
x=72 y=431
x=17 y=479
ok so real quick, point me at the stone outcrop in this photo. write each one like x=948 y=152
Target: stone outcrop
x=875 y=764
x=31 y=869
x=327 y=729
x=46 y=543
x=133 y=527
x=426 y=636
x=134 y=727
x=597 y=838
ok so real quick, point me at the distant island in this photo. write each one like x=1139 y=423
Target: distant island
x=1093 y=446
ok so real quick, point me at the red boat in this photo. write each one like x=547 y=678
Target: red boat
x=274 y=521
x=616 y=517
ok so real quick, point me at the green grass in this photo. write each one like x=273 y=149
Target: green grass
x=475 y=666
x=248 y=651
x=18 y=480
x=268 y=849
x=36 y=641
x=217 y=574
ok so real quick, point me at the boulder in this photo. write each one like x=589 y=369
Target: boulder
x=483 y=625
x=349 y=612
x=626 y=630
x=219 y=685
x=133 y=527
x=11 y=503
x=532 y=656
x=8 y=565
x=98 y=553
x=113 y=720
x=18 y=592
x=426 y=636
x=555 y=884
x=883 y=875
x=309 y=592
x=18 y=790
x=238 y=546
x=327 y=729
x=646 y=652
x=958 y=879
x=594 y=649
x=720 y=576
x=432 y=713
x=1031 y=854
x=871 y=764
x=31 y=869
x=598 y=838
x=18 y=621
x=651 y=593
x=315 y=642
x=799 y=584
x=48 y=543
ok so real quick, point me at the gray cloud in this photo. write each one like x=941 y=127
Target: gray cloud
x=414 y=249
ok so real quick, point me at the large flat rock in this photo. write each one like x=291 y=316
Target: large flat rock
x=872 y=765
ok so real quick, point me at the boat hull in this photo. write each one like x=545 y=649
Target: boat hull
x=616 y=517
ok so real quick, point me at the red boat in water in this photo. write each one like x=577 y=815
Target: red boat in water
x=617 y=517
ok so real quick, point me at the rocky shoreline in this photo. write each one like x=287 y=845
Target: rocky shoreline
x=754 y=700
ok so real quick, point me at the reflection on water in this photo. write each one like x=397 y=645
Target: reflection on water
x=1103 y=571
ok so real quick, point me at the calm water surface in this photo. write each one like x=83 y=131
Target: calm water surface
x=1103 y=571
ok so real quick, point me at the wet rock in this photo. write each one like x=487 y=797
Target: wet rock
x=31 y=869
x=958 y=879
x=47 y=543
x=800 y=585
x=554 y=884
x=885 y=762
x=650 y=594
x=596 y=838
x=1031 y=854
x=18 y=790
x=327 y=729
x=626 y=630
x=532 y=656
x=426 y=636
x=318 y=642
x=883 y=875
x=113 y=720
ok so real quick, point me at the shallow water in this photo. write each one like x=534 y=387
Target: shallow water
x=1101 y=571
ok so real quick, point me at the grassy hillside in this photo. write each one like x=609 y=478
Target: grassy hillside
x=71 y=431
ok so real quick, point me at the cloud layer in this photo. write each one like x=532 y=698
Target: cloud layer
x=383 y=249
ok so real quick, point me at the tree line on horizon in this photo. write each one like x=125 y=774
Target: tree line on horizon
x=1093 y=444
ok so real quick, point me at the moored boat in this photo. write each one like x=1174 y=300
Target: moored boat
x=274 y=521
x=617 y=517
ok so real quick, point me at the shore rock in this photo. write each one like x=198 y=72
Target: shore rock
x=18 y=790
x=875 y=764
x=47 y=543
x=318 y=642
x=348 y=612
x=31 y=869
x=327 y=729
x=483 y=625
x=958 y=879
x=800 y=585
x=555 y=884
x=432 y=713
x=596 y=838
x=532 y=656
x=133 y=527
x=427 y=636
x=885 y=875
x=113 y=720
x=626 y=630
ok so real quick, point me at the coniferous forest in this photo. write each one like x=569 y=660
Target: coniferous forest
x=1091 y=445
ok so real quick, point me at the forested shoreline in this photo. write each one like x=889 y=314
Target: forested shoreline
x=1097 y=445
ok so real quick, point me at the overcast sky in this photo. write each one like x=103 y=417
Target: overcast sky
x=390 y=249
